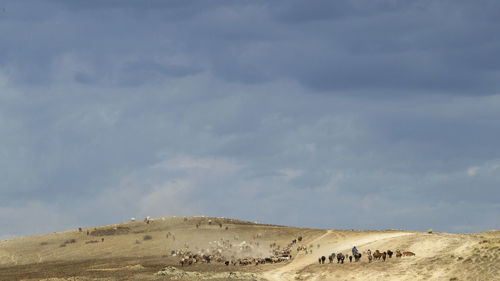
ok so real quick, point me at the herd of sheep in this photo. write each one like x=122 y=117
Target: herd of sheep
x=216 y=250
x=278 y=253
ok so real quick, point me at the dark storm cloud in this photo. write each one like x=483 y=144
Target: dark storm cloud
x=113 y=109
x=393 y=47
x=342 y=46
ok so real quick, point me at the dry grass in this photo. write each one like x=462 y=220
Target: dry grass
x=123 y=256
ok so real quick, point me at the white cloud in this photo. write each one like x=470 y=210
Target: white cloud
x=494 y=167
x=207 y=165
x=290 y=174
x=472 y=171
x=488 y=167
x=333 y=183
x=169 y=198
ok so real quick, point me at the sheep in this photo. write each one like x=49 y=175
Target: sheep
x=331 y=257
x=132 y=219
x=377 y=255
x=389 y=253
x=357 y=257
x=340 y=258
x=398 y=254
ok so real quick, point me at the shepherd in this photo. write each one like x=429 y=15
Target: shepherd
x=354 y=251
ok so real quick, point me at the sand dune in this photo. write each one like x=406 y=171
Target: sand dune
x=140 y=251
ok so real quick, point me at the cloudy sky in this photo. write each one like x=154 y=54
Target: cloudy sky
x=329 y=114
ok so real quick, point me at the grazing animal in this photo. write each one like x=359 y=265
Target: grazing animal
x=319 y=260
x=370 y=258
x=377 y=255
x=226 y=263
x=331 y=257
x=389 y=253
x=299 y=238
x=350 y=258
x=340 y=258
x=323 y=258
x=384 y=256
x=408 y=254
x=357 y=256
x=398 y=254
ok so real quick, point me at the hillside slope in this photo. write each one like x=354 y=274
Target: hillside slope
x=139 y=250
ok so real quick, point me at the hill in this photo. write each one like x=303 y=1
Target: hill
x=152 y=250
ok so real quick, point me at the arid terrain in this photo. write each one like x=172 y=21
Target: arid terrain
x=153 y=250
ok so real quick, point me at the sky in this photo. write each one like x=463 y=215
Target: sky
x=326 y=114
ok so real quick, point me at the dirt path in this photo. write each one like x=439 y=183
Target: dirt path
x=328 y=245
x=287 y=272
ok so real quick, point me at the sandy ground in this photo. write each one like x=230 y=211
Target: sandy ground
x=127 y=254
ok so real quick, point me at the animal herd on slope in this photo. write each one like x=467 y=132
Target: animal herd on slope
x=279 y=254
x=214 y=253
x=377 y=255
